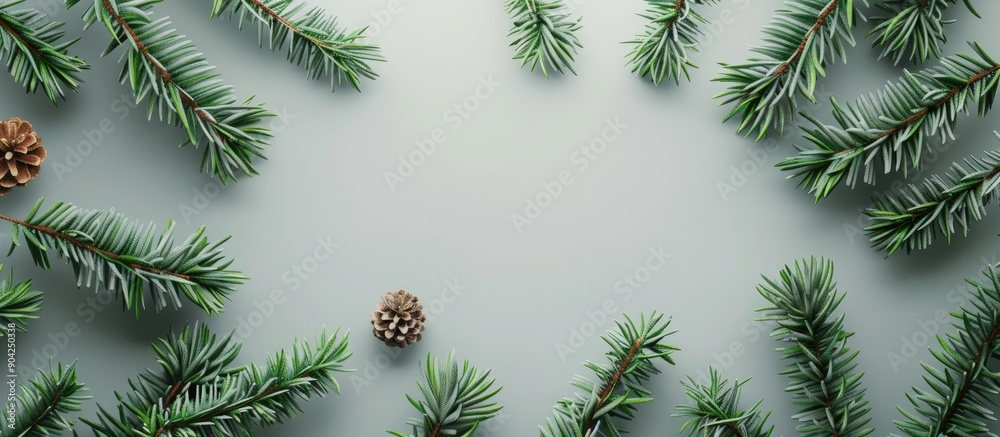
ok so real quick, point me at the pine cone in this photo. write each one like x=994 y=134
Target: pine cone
x=21 y=154
x=398 y=319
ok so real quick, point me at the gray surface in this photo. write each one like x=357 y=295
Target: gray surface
x=656 y=186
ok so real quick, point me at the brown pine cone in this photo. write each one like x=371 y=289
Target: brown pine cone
x=21 y=154
x=398 y=319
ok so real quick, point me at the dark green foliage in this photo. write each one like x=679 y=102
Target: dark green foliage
x=36 y=54
x=197 y=393
x=182 y=88
x=313 y=37
x=44 y=403
x=544 y=35
x=821 y=371
x=661 y=51
x=716 y=411
x=799 y=43
x=127 y=257
x=617 y=388
x=18 y=303
x=888 y=132
x=913 y=29
x=454 y=401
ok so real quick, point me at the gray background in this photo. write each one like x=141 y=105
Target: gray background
x=656 y=186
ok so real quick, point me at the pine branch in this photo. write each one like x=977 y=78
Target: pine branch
x=913 y=218
x=455 y=402
x=716 y=410
x=182 y=87
x=45 y=402
x=313 y=37
x=799 y=43
x=962 y=393
x=127 y=257
x=195 y=393
x=822 y=373
x=18 y=303
x=913 y=28
x=889 y=130
x=36 y=55
x=618 y=387
x=544 y=34
x=661 y=51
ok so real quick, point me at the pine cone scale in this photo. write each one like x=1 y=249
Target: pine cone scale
x=398 y=320
x=21 y=154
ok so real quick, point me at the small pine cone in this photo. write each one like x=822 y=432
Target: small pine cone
x=398 y=319
x=21 y=154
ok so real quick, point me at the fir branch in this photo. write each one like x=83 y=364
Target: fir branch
x=544 y=34
x=661 y=51
x=455 y=402
x=127 y=257
x=716 y=410
x=18 y=303
x=799 y=43
x=889 y=130
x=822 y=373
x=313 y=37
x=618 y=387
x=912 y=28
x=963 y=392
x=195 y=393
x=913 y=218
x=36 y=55
x=45 y=402
x=182 y=87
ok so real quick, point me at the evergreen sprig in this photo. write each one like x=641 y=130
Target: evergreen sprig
x=887 y=132
x=716 y=410
x=197 y=393
x=913 y=218
x=45 y=402
x=313 y=37
x=18 y=303
x=799 y=43
x=36 y=54
x=821 y=372
x=454 y=401
x=913 y=29
x=962 y=392
x=544 y=35
x=618 y=386
x=661 y=51
x=182 y=87
x=104 y=247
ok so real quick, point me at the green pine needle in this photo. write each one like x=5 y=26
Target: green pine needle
x=821 y=371
x=314 y=39
x=661 y=51
x=544 y=35
x=182 y=87
x=913 y=29
x=888 y=132
x=454 y=401
x=962 y=393
x=618 y=386
x=45 y=403
x=799 y=43
x=196 y=393
x=18 y=303
x=104 y=247
x=913 y=218
x=36 y=56
x=716 y=411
